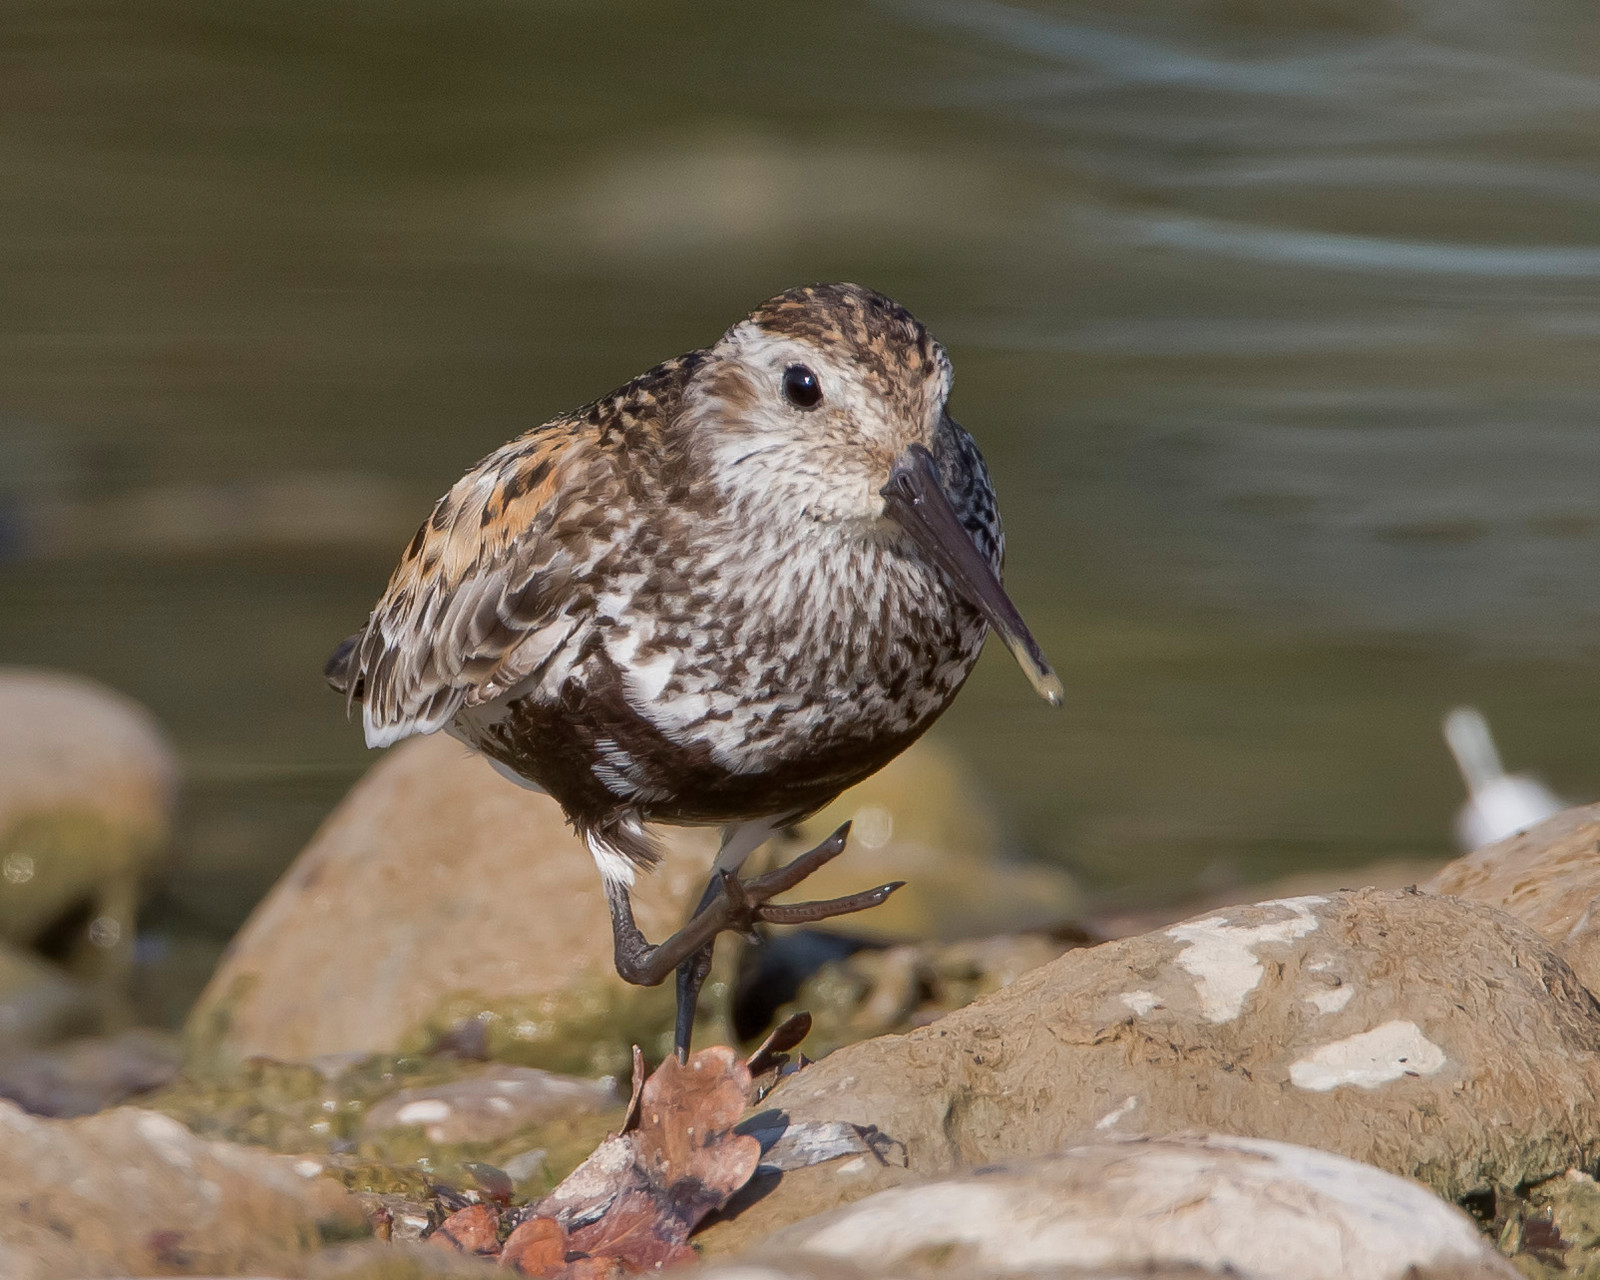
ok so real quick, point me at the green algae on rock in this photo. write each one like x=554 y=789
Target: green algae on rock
x=303 y=1109
x=587 y=1028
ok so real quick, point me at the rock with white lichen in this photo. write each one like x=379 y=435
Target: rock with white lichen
x=1206 y=1206
x=1430 y=1037
x=1548 y=877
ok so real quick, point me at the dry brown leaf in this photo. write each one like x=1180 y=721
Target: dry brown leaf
x=630 y=1117
x=538 y=1247
x=687 y=1147
x=474 y=1230
x=640 y=1231
x=649 y=1188
x=767 y=1065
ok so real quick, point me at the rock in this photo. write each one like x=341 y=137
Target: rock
x=383 y=1260
x=922 y=819
x=1430 y=1037
x=876 y=991
x=791 y=1266
x=90 y=1074
x=40 y=1002
x=1554 y=1228
x=134 y=1191
x=438 y=891
x=489 y=1104
x=443 y=1132
x=396 y=1261
x=87 y=785
x=1548 y=877
x=1215 y=1205
x=1389 y=873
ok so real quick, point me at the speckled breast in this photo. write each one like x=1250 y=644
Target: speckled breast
x=746 y=710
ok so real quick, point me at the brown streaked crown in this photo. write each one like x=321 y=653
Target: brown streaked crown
x=888 y=340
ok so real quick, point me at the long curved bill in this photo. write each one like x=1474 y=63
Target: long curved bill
x=915 y=499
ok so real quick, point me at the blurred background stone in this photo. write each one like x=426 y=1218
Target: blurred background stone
x=925 y=820
x=88 y=783
x=87 y=1075
x=40 y=1002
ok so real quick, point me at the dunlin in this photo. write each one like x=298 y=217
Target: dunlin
x=722 y=594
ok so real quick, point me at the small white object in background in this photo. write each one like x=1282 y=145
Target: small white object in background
x=1498 y=804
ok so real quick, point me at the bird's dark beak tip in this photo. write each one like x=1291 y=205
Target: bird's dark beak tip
x=915 y=498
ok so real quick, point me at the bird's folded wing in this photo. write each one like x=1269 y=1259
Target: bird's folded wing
x=490 y=589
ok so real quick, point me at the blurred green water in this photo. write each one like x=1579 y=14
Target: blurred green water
x=1278 y=323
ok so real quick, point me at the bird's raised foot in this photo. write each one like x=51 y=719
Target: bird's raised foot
x=730 y=905
x=739 y=907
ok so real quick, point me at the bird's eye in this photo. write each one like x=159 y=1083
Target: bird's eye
x=801 y=388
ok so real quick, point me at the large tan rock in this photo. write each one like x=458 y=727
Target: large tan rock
x=438 y=891
x=1430 y=1037
x=87 y=786
x=1548 y=877
x=1219 y=1206
x=133 y=1192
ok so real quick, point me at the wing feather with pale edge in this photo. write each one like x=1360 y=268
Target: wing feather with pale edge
x=482 y=597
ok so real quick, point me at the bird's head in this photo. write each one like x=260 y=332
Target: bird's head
x=827 y=404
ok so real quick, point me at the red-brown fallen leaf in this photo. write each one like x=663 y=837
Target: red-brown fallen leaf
x=474 y=1230
x=642 y=1230
x=538 y=1247
x=651 y=1186
x=630 y=1118
x=773 y=1052
x=687 y=1147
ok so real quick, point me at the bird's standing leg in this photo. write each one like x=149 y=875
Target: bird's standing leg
x=739 y=841
x=692 y=974
x=739 y=905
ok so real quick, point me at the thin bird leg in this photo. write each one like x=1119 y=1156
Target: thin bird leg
x=692 y=974
x=740 y=906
